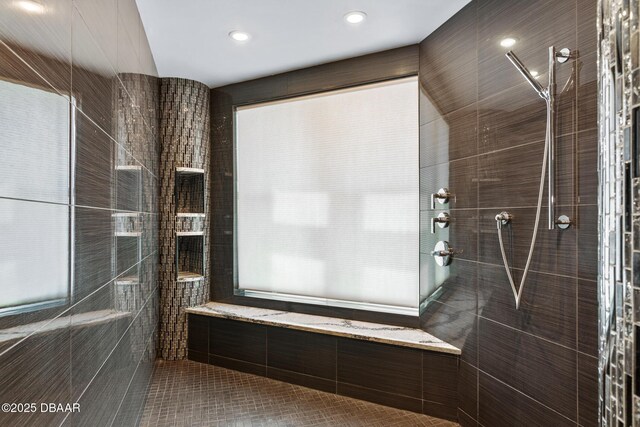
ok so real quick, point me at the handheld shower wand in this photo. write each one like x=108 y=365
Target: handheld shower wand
x=503 y=218
x=527 y=75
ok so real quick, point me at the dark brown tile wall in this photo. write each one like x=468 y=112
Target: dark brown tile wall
x=406 y=378
x=482 y=135
x=73 y=50
x=535 y=365
x=394 y=63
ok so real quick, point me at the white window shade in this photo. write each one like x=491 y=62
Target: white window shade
x=327 y=195
x=34 y=242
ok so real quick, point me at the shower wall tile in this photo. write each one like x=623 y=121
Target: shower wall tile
x=384 y=65
x=548 y=305
x=468 y=390
x=448 y=66
x=303 y=352
x=587 y=390
x=535 y=25
x=446 y=412
x=511 y=177
x=459 y=176
x=101 y=17
x=587 y=92
x=380 y=367
x=102 y=397
x=501 y=405
x=93 y=248
x=555 y=252
x=466 y=420
x=94 y=169
x=128 y=44
x=43 y=40
x=437 y=372
x=542 y=370
x=13 y=68
x=89 y=349
x=482 y=136
x=380 y=397
x=587 y=36
x=587 y=173
x=237 y=340
x=94 y=79
x=329 y=386
x=92 y=342
x=457 y=325
x=588 y=317
x=449 y=137
x=134 y=400
x=198 y=333
x=587 y=230
x=37 y=370
x=515 y=116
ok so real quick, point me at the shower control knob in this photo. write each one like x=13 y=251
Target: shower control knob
x=443 y=219
x=443 y=253
x=443 y=195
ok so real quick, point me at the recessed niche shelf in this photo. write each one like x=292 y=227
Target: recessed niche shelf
x=133 y=168
x=189 y=171
x=128 y=233
x=190 y=224
x=189 y=276
x=189 y=191
x=128 y=180
x=189 y=257
x=127 y=280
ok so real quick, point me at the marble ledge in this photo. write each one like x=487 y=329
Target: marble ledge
x=395 y=335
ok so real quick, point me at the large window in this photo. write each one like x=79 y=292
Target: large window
x=327 y=195
x=34 y=198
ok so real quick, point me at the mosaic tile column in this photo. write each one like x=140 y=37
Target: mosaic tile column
x=136 y=202
x=184 y=199
x=619 y=293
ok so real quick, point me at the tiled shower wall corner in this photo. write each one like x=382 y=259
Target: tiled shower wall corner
x=482 y=132
x=89 y=204
x=185 y=136
x=619 y=117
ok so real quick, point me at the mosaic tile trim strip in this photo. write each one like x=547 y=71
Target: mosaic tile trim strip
x=619 y=200
x=184 y=137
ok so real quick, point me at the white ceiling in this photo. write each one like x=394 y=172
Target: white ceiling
x=189 y=38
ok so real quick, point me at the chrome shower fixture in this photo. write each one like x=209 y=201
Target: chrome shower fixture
x=526 y=74
x=548 y=161
x=561 y=57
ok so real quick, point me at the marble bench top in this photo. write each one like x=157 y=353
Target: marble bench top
x=396 y=335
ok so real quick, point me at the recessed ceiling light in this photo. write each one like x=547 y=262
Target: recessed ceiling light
x=355 y=17
x=508 y=42
x=31 y=6
x=239 y=36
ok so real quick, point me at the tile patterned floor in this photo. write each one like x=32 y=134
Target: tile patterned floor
x=188 y=393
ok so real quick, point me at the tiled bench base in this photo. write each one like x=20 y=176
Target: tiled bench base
x=398 y=376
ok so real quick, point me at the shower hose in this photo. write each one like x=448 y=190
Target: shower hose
x=517 y=292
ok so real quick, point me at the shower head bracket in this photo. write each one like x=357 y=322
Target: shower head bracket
x=563 y=55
